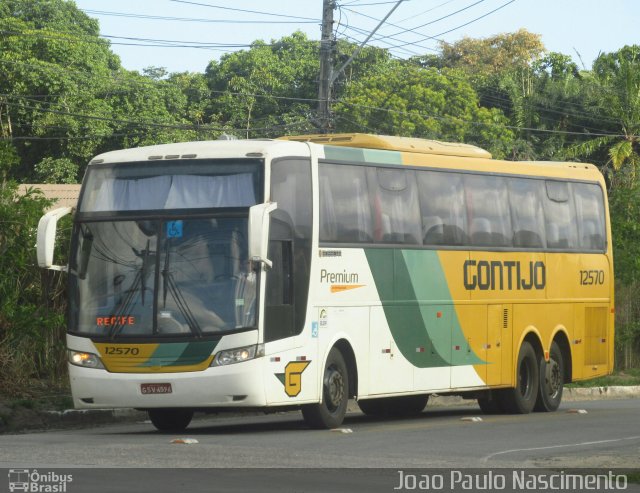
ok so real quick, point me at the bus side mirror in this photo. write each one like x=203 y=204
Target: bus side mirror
x=47 y=237
x=259 y=233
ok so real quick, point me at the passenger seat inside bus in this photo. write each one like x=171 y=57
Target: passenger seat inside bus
x=433 y=230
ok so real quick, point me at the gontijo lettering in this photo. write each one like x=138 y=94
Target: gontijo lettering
x=506 y=275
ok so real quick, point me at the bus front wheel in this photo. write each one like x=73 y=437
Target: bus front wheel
x=330 y=412
x=551 y=381
x=170 y=419
x=522 y=398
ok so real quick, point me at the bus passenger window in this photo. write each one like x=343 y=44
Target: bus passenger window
x=527 y=216
x=345 y=213
x=488 y=211
x=442 y=207
x=395 y=202
x=590 y=214
x=560 y=216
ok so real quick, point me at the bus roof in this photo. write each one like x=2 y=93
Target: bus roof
x=391 y=143
x=208 y=149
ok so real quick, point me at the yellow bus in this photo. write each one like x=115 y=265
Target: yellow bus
x=301 y=272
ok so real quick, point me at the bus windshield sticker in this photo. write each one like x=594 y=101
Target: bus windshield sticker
x=174 y=229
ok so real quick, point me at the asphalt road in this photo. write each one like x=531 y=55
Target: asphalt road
x=606 y=436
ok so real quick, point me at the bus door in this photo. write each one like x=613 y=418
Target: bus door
x=498 y=347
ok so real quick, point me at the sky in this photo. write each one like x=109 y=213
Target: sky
x=193 y=32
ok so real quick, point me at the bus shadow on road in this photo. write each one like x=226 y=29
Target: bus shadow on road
x=225 y=424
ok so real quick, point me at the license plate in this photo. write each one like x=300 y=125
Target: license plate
x=155 y=388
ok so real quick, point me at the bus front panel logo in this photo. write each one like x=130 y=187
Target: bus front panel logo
x=292 y=377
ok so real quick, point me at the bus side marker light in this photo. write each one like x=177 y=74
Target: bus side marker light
x=301 y=358
x=546 y=356
x=275 y=359
x=419 y=350
x=439 y=314
x=457 y=348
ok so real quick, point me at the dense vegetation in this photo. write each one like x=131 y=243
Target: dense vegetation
x=65 y=97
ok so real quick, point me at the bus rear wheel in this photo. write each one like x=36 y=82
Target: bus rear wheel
x=410 y=405
x=170 y=419
x=330 y=412
x=551 y=381
x=522 y=398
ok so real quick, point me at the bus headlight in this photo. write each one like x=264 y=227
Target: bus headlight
x=238 y=355
x=85 y=360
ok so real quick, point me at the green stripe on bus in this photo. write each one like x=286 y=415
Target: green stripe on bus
x=180 y=353
x=417 y=304
x=356 y=155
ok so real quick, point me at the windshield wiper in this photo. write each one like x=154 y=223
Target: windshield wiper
x=169 y=286
x=140 y=281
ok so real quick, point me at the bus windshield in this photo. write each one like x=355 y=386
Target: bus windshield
x=160 y=249
x=162 y=277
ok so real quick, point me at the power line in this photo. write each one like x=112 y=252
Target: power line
x=414 y=29
x=436 y=36
x=246 y=11
x=193 y=19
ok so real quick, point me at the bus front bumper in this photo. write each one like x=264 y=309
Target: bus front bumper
x=236 y=385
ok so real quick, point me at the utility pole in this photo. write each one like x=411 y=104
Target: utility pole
x=326 y=66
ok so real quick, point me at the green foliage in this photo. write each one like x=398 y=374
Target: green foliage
x=51 y=170
x=613 y=99
x=31 y=324
x=404 y=99
x=624 y=205
x=265 y=90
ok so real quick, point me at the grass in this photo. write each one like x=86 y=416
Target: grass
x=627 y=377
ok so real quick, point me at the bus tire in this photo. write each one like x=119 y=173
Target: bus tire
x=170 y=419
x=551 y=381
x=410 y=405
x=522 y=398
x=330 y=412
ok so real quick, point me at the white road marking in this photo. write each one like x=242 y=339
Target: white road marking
x=581 y=444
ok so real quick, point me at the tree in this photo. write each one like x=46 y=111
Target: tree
x=488 y=57
x=267 y=89
x=404 y=99
x=53 y=63
x=614 y=101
